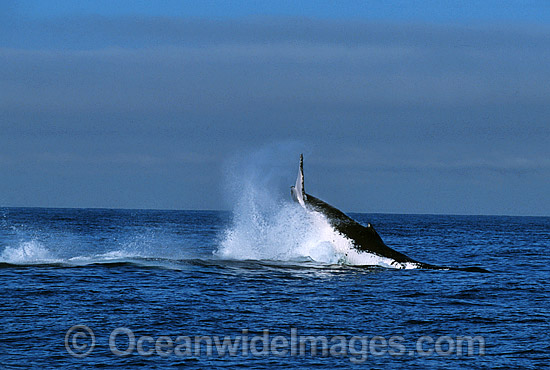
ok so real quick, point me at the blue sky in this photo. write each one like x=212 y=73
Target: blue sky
x=426 y=10
x=417 y=107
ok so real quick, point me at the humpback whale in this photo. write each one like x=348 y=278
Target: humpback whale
x=364 y=239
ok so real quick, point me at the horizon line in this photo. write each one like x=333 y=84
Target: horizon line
x=230 y=211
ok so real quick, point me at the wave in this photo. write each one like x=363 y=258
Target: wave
x=214 y=266
x=33 y=254
x=41 y=246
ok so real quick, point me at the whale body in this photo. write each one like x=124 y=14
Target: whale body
x=364 y=239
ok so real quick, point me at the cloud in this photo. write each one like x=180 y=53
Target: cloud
x=196 y=66
x=169 y=92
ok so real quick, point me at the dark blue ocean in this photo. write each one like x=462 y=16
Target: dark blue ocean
x=149 y=285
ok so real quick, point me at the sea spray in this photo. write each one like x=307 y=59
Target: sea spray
x=26 y=252
x=286 y=233
x=53 y=238
x=266 y=224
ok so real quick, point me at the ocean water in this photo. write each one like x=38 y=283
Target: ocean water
x=159 y=289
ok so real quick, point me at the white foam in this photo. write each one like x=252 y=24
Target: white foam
x=289 y=232
x=265 y=228
x=27 y=252
x=117 y=255
x=67 y=250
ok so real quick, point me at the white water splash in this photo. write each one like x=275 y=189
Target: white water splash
x=135 y=248
x=265 y=228
x=27 y=252
x=112 y=256
x=285 y=233
x=292 y=233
